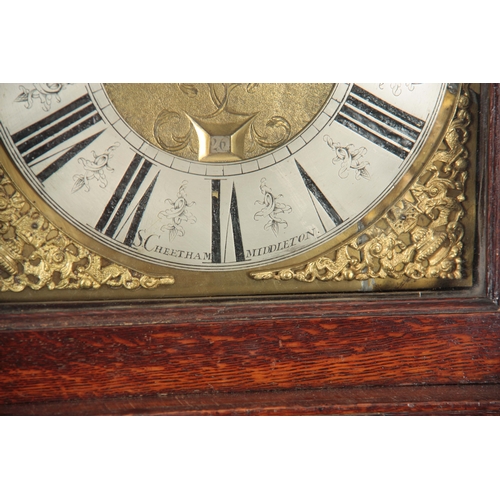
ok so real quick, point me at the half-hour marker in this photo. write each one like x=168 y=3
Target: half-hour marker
x=33 y=141
x=381 y=123
x=317 y=193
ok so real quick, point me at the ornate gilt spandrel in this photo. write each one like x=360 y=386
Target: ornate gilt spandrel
x=420 y=236
x=34 y=254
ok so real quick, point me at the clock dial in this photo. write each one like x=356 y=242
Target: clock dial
x=220 y=177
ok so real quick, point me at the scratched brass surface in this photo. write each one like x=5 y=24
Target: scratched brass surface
x=169 y=115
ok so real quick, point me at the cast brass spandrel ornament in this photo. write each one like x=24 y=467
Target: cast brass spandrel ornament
x=420 y=236
x=35 y=254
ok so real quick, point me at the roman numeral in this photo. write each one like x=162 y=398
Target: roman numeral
x=57 y=128
x=216 y=243
x=381 y=123
x=122 y=199
x=235 y=222
x=216 y=225
x=323 y=201
x=139 y=212
x=66 y=157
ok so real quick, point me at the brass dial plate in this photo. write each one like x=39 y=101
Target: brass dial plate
x=318 y=160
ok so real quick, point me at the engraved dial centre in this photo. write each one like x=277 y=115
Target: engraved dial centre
x=224 y=122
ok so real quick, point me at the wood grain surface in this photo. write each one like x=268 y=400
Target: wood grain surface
x=437 y=352
x=246 y=355
x=462 y=399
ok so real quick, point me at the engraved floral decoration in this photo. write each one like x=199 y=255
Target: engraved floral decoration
x=44 y=92
x=177 y=214
x=271 y=210
x=175 y=131
x=349 y=159
x=35 y=255
x=397 y=88
x=94 y=169
x=166 y=123
x=419 y=237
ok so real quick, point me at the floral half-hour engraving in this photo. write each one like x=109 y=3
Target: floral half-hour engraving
x=272 y=208
x=350 y=158
x=94 y=170
x=44 y=92
x=177 y=214
x=397 y=88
